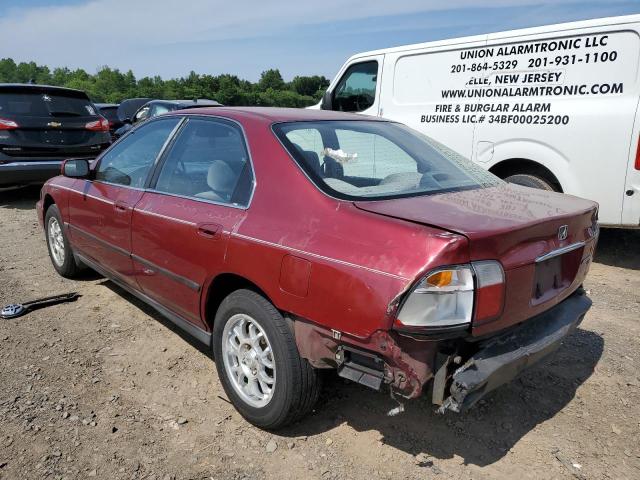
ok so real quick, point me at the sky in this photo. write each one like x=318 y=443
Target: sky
x=170 y=38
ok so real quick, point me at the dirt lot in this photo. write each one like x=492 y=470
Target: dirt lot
x=106 y=388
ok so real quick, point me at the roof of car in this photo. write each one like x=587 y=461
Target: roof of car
x=276 y=115
x=32 y=86
x=106 y=105
x=187 y=103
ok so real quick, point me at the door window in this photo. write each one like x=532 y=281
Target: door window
x=129 y=161
x=356 y=90
x=158 y=109
x=208 y=161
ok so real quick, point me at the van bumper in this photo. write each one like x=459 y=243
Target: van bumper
x=28 y=172
x=500 y=359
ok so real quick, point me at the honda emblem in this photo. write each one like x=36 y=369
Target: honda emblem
x=563 y=232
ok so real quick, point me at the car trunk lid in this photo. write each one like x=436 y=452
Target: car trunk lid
x=543 y=239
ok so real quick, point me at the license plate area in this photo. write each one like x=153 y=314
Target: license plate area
x=554 y=275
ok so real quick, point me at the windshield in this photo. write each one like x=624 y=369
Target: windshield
x=44 y=104
x=358 y=160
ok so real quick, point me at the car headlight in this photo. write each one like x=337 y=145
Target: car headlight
x=447 y=297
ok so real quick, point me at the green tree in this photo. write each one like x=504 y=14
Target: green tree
x=111 y=85
x=271 y=79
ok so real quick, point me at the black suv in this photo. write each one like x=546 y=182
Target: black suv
x=40 y=126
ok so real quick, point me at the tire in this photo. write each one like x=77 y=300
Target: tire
x=60 y=251
x=531 y=180
x=295 y=383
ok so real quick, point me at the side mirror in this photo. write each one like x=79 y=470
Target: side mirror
x=327 y=101
x=75 y=168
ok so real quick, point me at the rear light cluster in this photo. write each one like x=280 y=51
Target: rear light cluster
x=101 y=125
x=637 y=165
x=7 y=124
x=453 y=297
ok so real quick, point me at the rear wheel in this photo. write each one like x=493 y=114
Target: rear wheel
x=532 y=180
x=258 y=362
x=58 y=245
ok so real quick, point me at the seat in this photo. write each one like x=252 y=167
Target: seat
x=311 y=159
x=221 y=180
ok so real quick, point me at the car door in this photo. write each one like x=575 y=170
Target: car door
x=180 y=227
x=100 y=210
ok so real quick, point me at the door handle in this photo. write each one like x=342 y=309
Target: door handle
x=208 y=230
x=120 y=206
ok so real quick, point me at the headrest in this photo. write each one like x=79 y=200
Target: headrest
x=220 y=177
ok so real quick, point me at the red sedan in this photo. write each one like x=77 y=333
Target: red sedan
x=296 y=240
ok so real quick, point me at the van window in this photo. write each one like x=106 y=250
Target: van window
x=356 y=90
x=379 y=160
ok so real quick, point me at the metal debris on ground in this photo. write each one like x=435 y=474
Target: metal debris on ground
x=15 y=310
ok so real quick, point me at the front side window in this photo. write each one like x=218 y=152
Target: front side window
x=361 y=160
x=356 y=90
x=208 y=161
x=128 y=162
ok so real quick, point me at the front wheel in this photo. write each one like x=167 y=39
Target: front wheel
x=258 y=362
x=58 y=244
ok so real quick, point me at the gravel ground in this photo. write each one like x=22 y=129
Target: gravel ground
x=105 y=388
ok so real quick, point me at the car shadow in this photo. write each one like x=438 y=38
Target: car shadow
x=481 y=436
x=153 y=313
x=618 y=248
x=20 y=198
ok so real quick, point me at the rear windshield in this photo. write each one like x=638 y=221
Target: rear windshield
x=358 y=160
x=110 y=113
x=44 y=104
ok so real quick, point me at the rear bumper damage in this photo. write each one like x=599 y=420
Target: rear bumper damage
x=462 y=370
x=500 y=359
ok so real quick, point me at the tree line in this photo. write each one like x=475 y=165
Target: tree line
x=110 y=85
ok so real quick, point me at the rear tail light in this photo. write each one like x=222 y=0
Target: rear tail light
x=490 y=288
x=443 y=298
x=7 y=124
x=101 y=125
x=637 y=165
x=446 y=298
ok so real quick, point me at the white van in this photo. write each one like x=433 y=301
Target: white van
x=553 y=107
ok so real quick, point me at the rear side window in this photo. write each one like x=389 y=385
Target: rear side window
x=44 y=104
x=128 y=162
x=356 y=90
x=208 y=161
x=110 y=113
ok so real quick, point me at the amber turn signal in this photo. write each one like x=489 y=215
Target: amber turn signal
x=440 y=279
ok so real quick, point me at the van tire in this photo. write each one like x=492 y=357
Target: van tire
x=532 y=181
x=297 y=383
